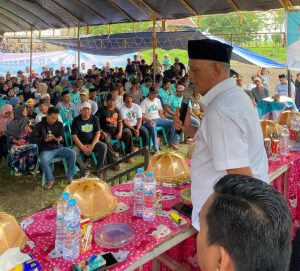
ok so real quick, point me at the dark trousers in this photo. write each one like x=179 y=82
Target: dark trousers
x=126 y=138
x=100 y=151
x=144 y=134
x=3 y=146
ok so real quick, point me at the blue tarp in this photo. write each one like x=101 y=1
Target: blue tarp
x=120 y=44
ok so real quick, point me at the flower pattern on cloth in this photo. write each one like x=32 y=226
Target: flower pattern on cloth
x=41 y=228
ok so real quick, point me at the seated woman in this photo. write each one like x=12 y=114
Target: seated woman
x=23 y=155
x=6 y=115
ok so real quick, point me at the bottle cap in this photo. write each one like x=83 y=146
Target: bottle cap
x=65 y=195
x=72 y=202
x=149 y=174
x=59 y=218
x=140 y=170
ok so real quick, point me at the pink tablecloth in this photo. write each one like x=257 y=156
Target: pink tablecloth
x=293 y=160
x=42 y=230
x=146 y=234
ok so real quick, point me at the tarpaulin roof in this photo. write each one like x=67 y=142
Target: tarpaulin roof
x=119 y=44
x=21 y=15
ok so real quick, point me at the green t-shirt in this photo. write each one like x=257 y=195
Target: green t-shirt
x=165 y=96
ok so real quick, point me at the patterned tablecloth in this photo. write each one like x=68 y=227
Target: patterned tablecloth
x=293 y=180
x=40 y=227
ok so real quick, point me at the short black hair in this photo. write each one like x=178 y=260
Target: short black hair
x=251 y=220
x=52 y=110
x=148 y=79
x=166 y=80
x=65 y=92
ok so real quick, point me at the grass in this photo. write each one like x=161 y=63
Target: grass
x=278 y=53
x=23 y=196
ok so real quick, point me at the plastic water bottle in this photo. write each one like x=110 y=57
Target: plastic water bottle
x=293 y=131
x=284 y=141
x=149 y=210
x=138 y=202
x=61 y=207
x=72 y=227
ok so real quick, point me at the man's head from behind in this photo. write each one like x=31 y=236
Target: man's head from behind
x=245 y=226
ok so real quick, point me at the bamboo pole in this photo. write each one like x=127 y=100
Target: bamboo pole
x=154 y=44
x=78 y=49
x=30 y=65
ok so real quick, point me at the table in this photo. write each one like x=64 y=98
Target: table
x=267 y=106
x=179 y=243
x=285 y=177
x=151 y=238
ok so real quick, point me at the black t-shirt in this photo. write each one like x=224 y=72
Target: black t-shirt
x=109 y=120
x=85 y=129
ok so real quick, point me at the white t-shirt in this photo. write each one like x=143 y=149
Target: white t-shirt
x=131 y=114
x=40 y=115
x=151 y=108
x=229 y=137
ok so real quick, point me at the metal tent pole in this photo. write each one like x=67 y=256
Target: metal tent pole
x=78 y=49
x=154 y=44
x=286 y=7
x=30 y=65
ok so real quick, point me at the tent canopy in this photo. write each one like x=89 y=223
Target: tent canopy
x=119 y=44
x=24 y=15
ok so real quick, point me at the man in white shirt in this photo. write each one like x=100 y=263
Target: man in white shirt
x=229 y=140
x=153 y=116
x=43 y=107
x=282 y=87
x=131 y=114
x=84 y=97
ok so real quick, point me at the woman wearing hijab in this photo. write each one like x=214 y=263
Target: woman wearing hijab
x=22 y=154
x=6 y=115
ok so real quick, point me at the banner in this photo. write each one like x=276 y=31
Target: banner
x=293 y=39
x=19 y=61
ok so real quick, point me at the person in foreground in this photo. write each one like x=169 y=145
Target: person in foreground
x=229 y=140
x=245 y=226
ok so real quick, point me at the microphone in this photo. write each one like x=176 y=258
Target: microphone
x=187 y=96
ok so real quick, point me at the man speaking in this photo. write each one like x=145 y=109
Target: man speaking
x=229 y=140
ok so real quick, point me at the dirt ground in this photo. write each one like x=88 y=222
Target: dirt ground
x=248 y=70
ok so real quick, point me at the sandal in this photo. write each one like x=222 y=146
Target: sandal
x=49 y=185
x=130 y=160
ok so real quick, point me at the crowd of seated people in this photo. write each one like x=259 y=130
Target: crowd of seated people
x=105 y=108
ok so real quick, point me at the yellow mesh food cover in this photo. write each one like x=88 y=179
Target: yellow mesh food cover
x=270 y=128
x=286 y=117
x=94 y=197
x=11 y=233
x=169 y=168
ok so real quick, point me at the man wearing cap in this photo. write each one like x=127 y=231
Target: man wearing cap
x=153 y=117
x=259 y=92
x=111 y=124
x=86 y=132
x=229 y=140
x=282 y=87
x=31 y=115
x=166 y=63
x=179 y=66
x=84 y=97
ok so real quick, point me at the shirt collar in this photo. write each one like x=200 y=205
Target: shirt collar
x=217 y=90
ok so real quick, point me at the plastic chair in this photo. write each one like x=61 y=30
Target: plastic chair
x=113 y=141
x=160 y=129
x=54 y=160
x=67 y=133
x=3 y=102
x=139 y=140
x=66 y=114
